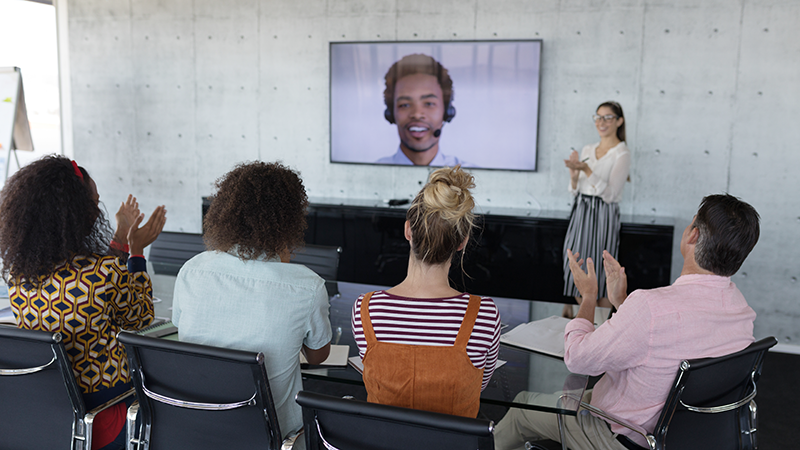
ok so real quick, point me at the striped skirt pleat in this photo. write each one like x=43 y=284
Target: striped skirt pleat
x=593 y=227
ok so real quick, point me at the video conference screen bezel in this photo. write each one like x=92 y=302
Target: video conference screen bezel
x=496 y=92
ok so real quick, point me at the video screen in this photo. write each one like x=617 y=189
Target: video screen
x=474 y=103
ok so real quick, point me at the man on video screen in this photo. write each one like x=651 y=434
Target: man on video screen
x=418 y=97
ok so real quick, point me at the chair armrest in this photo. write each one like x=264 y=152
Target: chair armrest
x=651 y=440
x=88 y=419
x=110 y=403
x=288 y=443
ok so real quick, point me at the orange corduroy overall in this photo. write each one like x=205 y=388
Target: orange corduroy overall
x=432 y=378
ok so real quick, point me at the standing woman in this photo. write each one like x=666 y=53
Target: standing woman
x=424 y=344
x=597 y=178
x=66 y=274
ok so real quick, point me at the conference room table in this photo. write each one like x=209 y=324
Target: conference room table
x=522 y=370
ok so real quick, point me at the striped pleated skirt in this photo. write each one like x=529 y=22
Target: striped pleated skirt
x=593 y=227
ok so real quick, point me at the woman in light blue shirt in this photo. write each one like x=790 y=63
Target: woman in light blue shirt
x=241 y=294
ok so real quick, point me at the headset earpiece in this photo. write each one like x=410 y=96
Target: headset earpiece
x=388 y=115
x=449 y=113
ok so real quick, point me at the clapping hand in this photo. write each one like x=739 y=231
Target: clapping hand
x=139 y=238
x=574 y=165
x=616 y=280
x=586 y=282
x=127 y=214
x=574 y=162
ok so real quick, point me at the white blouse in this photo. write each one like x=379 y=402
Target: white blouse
x=609 y=173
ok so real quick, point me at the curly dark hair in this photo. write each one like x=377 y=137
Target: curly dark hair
x=48 y=216
x=259 y=207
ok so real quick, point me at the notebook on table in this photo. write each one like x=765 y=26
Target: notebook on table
x=160 y=328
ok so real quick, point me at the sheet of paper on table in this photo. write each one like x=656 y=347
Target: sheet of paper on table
x=337 y=357
x=542 y=336
x=7 y=316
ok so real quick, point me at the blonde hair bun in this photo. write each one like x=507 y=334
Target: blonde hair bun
x=441 y=215
x=448 y=193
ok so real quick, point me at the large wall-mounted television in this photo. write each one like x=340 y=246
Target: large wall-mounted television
x=474 y=103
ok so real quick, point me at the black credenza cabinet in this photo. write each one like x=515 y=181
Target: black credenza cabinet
x=511 y=255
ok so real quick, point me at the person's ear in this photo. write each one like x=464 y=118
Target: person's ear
x=407 y=231
x=463 y=244
x=694 y=235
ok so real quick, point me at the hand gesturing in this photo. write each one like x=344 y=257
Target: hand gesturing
x=616 y=280
x=574 y=165
x=139 y=238
x=126 y=215
x=586 y=282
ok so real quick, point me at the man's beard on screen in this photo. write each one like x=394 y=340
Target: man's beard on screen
x=418 y=150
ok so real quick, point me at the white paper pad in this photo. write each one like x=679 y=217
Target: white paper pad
x=337 y=357
x=543 y=336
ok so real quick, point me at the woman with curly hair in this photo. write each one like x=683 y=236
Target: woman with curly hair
x=240 y=294
x=65 y=273
x=424 y=344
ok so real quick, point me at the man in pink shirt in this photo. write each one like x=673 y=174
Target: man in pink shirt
x=702 y=314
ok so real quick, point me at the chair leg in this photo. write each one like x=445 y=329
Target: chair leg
x=79 y=436
x=131 y=433
x=561 y=432
x=288 y=443
x=88 y=421
x=749 y=426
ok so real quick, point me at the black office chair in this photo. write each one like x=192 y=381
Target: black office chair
x=200 y=397
x=171 y=250
x=40 y=403
x=711 y=403
x=335 y=423
x=324 y=261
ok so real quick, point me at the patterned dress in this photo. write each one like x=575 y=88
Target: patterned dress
x=88 y=300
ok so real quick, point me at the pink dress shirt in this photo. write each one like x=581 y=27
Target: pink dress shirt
x=640 y=348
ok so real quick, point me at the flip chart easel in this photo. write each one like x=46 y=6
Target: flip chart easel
x=15 y=131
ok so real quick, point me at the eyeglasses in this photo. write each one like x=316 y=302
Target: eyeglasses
x=606 y=118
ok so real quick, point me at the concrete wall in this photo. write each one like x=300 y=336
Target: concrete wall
x=168 y=95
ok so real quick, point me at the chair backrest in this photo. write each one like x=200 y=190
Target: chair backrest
x=723 y=387
x=201 y=397
x=349 y=424
x=40 y=402
x=171 y=250
x=324 y=261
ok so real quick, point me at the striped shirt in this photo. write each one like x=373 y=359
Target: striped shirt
x=435 y=321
